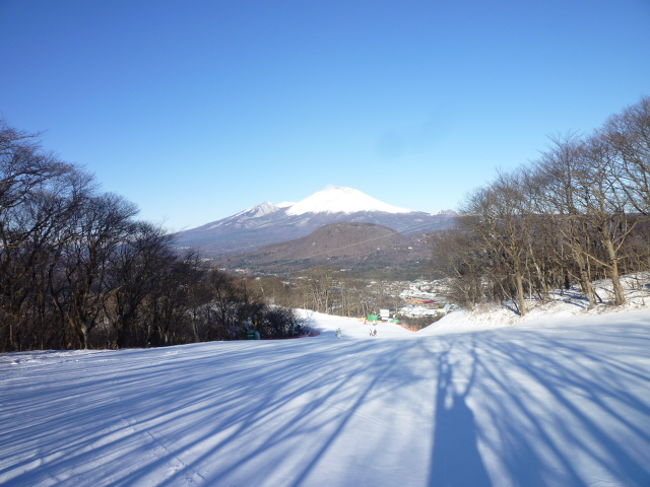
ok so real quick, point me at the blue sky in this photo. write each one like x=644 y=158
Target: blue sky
x=195 y=110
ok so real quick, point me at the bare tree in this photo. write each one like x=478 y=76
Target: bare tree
x=558 y=174
x=628 y=135
x=579 y=214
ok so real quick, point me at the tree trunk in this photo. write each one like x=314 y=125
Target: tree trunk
x=619 y=294
x=521 y=299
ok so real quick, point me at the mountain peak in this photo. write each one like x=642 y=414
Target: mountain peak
x=341 y=199
x=257 y=211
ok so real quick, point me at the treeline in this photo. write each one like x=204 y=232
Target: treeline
x=578 y=214
x=328 y=290
x=78 y=270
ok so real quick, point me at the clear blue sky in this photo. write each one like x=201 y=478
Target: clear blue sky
x=195 y=110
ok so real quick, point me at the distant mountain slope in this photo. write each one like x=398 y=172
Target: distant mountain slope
x=270 y=223
x=358 y=246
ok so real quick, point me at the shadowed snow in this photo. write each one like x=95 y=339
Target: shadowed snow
x=561 y=405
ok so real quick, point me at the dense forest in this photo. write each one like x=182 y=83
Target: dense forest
x=578 y=214
x=79 y=270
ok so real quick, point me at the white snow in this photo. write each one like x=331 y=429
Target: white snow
x=566 y=305
x=339 y=199
x=352 y=327
x=285 y=204
x=257 y=211
x=562 y=400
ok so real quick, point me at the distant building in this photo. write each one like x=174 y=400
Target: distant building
x=422 y=301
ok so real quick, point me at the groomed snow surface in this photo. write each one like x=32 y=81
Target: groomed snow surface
x=556 y=401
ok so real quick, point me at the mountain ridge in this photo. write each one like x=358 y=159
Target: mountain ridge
x=269 y=223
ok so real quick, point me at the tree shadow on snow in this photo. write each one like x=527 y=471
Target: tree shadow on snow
x=548 y=409
x=512 y=408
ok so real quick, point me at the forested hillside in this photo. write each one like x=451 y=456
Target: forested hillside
x=79 y=270
x=580 y=213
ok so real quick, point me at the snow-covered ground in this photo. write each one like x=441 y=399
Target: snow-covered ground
x=351 y=327
x=561 y=400
x=562 y=306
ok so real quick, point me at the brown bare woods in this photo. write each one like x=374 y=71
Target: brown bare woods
x=78 y=270
x=580 y=213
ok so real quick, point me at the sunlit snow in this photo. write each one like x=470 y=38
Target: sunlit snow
x=562 y=401
x=339 y=199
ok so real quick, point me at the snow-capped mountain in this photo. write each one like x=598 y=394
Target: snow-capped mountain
x=339 y=199
x=258 y=211
x=269 y=223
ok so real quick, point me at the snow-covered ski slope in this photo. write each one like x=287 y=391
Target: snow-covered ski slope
x=561 y=403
